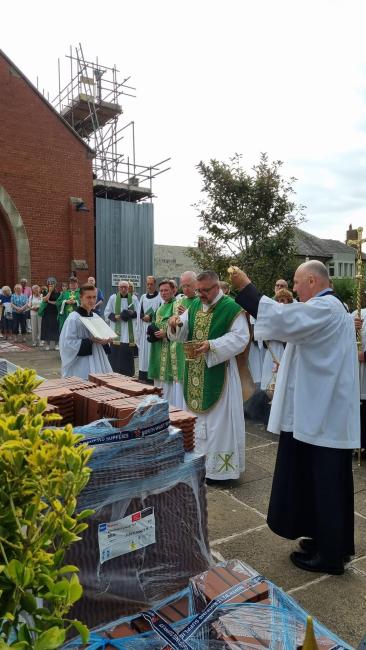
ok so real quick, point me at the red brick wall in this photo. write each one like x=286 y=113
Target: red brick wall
x=42 y=164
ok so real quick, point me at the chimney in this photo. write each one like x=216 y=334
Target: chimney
x=351 y=234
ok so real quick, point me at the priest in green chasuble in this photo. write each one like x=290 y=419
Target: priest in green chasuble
x=166 y=364
x=68 y=301
x=212 y=387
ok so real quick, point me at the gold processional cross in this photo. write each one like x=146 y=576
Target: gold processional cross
x=357 y=243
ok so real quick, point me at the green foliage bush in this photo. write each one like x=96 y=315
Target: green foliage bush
x=42 y=472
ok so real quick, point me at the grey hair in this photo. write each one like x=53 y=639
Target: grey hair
x=191 y=275
x=315 y=267
x=208 y=275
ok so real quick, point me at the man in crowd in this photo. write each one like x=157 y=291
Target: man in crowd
x=280 y=284
x=68 y=301
x=188 y=283
x=212 y=387
x=81 y=353
x=165 y=370
x=149 y=303
x=100 y=297
x=121 y=314
x=315 y=409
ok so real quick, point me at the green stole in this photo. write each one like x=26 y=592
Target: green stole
x=177 y=355
x=117 y=311
x=160 y=363
x=203 y=386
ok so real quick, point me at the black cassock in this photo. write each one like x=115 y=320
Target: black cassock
x=312 y=489
x=122 y=359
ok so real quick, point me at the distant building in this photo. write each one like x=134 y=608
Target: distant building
x=171 y=261
x=339 y=258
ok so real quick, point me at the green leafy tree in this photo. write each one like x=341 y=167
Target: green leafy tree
x=42 y=469
x=248 y=219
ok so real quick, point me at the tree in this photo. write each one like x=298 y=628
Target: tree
x=248 y=220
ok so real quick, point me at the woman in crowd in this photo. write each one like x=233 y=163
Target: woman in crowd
x=34 y=303
x=19 y=304
x=6 y=317
x=49 y=326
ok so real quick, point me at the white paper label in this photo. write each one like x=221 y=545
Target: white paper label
x=126 y=535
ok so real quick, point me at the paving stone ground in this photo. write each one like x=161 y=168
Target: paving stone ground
x=238 y=529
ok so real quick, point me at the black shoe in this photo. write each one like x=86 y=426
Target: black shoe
x=316 y=564
x=309 y=546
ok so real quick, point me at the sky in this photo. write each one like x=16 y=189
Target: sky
x=213 y=78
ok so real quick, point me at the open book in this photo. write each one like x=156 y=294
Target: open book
x=98 y=327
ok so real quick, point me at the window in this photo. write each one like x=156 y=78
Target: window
x=331 y=269
x=340 y=269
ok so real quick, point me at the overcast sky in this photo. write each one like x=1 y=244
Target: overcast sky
x=217 y=77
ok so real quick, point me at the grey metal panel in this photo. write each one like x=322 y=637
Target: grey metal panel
x=124 y=241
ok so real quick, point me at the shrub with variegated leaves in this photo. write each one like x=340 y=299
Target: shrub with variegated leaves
x=42 y=471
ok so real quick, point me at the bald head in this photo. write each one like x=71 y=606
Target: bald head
x=188 y=282
x=310 y=278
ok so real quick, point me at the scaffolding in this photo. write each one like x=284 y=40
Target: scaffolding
x=91 y=103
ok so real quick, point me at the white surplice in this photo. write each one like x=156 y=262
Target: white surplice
x=362 y=364
x=269 y=366
x=110 y=309
x=220 y=433
x=317 y=388
x=71 y=337
x=144 y=346
x=256 y=357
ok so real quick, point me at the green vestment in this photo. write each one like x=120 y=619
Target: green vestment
x=63 y=309
x=160 y=364
x=203 y=386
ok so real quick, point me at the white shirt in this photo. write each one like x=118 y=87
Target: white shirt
x=317 y=389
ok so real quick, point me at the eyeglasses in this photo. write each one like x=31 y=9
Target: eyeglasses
x=207 y=290
x=280 y=286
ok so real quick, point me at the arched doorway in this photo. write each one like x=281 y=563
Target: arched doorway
x=8 y=274
x=14 y=244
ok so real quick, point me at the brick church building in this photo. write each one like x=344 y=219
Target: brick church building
x=46 y=187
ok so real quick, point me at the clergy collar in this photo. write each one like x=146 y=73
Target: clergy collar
x=215 y=300
x=324 y=292
x=152 y=295
x=83 y=312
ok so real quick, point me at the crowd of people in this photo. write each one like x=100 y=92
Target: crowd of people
x=189 y=340
x=39 y=310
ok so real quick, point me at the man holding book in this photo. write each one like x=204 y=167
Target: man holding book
x=85 y=338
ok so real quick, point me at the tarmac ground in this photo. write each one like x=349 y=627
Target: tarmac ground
x=238 y=529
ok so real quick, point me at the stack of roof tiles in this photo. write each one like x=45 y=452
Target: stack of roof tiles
x=185 y=422
x=91 y=404
x=152 y=472
x=261 y=616
x=59 y=393
x=125 y=385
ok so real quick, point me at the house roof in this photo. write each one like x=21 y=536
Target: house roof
x=45 y=101
x=308 y=245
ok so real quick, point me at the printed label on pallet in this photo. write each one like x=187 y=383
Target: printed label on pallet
x=126 y=535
